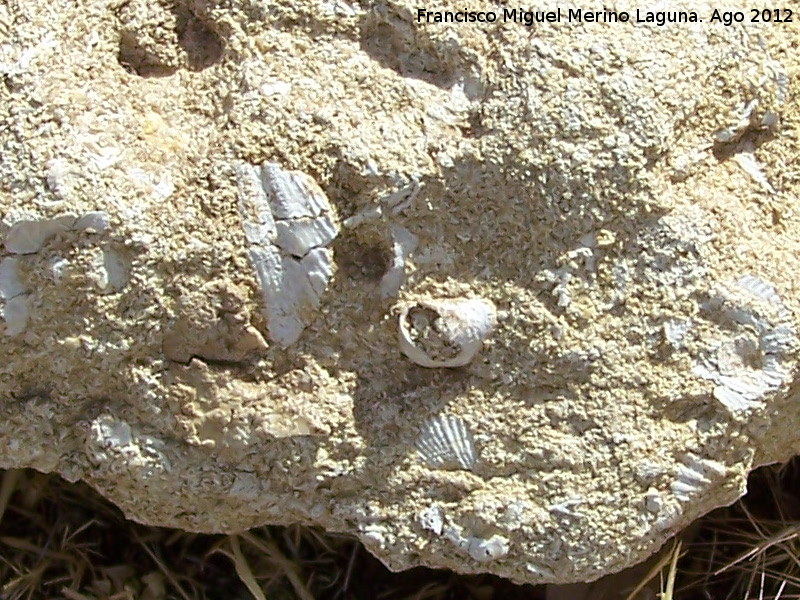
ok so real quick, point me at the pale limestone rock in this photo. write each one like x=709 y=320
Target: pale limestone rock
x=173 y=331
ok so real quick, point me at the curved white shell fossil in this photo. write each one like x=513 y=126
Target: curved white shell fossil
x=446 y=443
x=443 y=332
x=403 y=244
x=486 y=550
x=28 y=236
x=695 y=476
x=288 y=223
x=748 y=362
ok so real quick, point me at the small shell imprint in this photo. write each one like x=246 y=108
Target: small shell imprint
x=288 y=223
x=446 y=443
x=445 y=333
x=748 y=363
x=695 y=476
x=487 y=550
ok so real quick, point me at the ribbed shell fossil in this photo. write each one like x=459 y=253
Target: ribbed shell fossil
x=288 y=223
x=445 y=442
x=443 y=332
x=695 y=476
x=747 y=363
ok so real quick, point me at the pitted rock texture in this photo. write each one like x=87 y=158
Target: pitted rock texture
x=623 y=195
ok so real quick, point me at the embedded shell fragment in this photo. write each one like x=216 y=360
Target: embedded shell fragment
x=288 y=223
x=748 y=361
x=445 y=333
x=26 y=238
x=446 y=443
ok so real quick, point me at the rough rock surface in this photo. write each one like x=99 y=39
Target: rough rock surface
x=625 y=196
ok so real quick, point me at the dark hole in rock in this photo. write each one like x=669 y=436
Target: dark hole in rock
x=397 y=46
x=138 y=60
x=359 y=260
x=203 y=46
x=156 y=40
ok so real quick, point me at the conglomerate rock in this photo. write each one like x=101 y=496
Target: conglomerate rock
x=245 y=245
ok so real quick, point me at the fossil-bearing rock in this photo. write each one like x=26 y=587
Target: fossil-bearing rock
x=620 y=193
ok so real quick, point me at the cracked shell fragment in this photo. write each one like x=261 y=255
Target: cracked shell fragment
x=14 y=303
x=288 y=223
x=446 y=443
x=487 y=550
x=748 y=361
x=445 y=333
x=28 y=236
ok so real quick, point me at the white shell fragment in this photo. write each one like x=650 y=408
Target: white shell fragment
x=15 y=313
x=15 y=307
x=747 y=363
x=111 y=270
x=675 y=331
x=445 y=333
x=403 y=245
x=446 y=443
x=746 y=160
x=93 y=222
x=487 y=550
x=28 y=236
x=431 y=519
x=566 y=508
x=10 y=284
x=748 y=119
x=478 y=548
x=759 y=288
x=114 y=441
x=695 y=476
x=288 y=223
x=653 y=501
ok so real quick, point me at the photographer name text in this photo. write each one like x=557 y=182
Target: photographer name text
x=577 y=15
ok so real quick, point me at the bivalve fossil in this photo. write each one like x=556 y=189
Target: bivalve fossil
x=445 y=333
x=446 y=442
x=288 y=223
x=695 y=476
x=747 y=362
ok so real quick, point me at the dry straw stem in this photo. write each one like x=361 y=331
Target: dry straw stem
x=243 y=569
x=667 y=594
x=59 y=540
x=269 y=549
x=766 y=523
x=7 y=488
x=780 y=538
x=671 y=559
x=163 y=568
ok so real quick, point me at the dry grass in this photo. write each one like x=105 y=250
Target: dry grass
x=59 y=540
x=750 y=550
